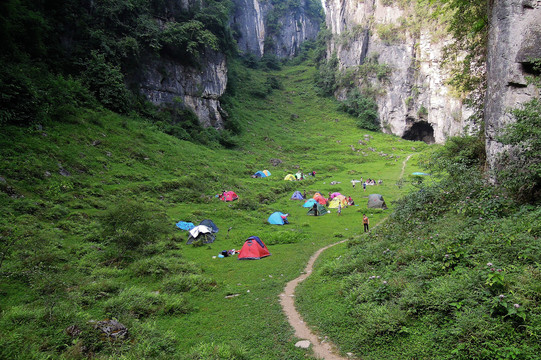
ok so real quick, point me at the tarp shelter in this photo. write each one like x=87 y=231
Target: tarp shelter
x=290 y=177
x=320 y=199
x=228 y=196
x=253 y=249
x=375 y=201
x=277 y=219
x=297 y=196
x=335 y=194
x=318 y=210
x=182 y=225
x=419 y=173
x=201 y=233
x=340 y=199
x=210 y=224
x=298 y=176
x=309 y=203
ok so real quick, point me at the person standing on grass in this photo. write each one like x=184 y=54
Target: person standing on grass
x=353 y=183
x=339 y=208
x=364 y=186
x=366 y=222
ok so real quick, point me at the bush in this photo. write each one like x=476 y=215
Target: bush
x=129 y=225
x=364 y=108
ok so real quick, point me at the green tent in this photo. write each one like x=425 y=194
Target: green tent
x=317 y=210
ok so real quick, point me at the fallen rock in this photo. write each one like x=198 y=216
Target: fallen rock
x=112 y=329
x=303 y=344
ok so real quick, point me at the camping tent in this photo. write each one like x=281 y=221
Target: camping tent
x=297 y=196
x=182 y=225
x=319 y=210
x=253 y=249
x=290 y=177
x=419 y=174
x=335 y=194
x=340 y=199
x=375 y=201
x=201 y=233
x=228 y=196
x=309 y=203
x=262 y=174
x=276 y=219
x=320 y=199
x=210 y=224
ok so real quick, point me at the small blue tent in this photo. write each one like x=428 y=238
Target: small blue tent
x=419 y=174
x=309 y=203
x=260 y=174
x=297 y=196
x=276 y=219
x=182 y=225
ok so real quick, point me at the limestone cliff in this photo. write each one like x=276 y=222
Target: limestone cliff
x=166 y=81
x=414 y=101
x=275 y=27
x=514 y=39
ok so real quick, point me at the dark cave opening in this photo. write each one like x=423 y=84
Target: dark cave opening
x=420 y=131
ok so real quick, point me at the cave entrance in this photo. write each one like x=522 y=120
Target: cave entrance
x=420 y=131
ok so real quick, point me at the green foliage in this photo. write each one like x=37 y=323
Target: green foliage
x=362 y=107
x=188 y=39
x=520 y=169
x=326 y=78
x=130 y=225
x=213 y=351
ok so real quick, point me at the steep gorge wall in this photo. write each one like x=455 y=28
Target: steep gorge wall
x=414 y=101
x=256 y=35
x=514 y=39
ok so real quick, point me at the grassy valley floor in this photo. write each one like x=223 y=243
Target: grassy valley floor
x=88 y=225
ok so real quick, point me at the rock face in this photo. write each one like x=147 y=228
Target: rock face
x=514 y=39
x=257 y=36
x=414 y=101
x=165 y=81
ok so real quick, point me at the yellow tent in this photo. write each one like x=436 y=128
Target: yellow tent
x=290 y=177
x=340 y=199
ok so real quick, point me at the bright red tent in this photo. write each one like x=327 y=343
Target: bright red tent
x=253 y=249
x=320 y=199
x=229 y=196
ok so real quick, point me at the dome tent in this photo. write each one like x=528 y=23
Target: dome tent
x=297 y=196
x=253 y=249
x=277 y=218
x=375 y=201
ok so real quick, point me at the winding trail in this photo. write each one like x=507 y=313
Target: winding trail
x=324 y=350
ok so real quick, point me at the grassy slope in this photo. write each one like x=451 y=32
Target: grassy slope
x=62 y=271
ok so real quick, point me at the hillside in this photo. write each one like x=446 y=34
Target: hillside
x=88 y=228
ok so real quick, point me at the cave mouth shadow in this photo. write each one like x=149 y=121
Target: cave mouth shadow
x=420 y=131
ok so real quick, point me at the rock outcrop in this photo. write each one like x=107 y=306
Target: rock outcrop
x=514 y=40
x=166 y=81
x=414 y=101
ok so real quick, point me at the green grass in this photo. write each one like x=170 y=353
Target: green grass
x=67 y=267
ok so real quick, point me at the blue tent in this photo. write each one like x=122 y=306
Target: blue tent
x=419 y=173
x=297 y=196
x=260 y=174
x=276 y=219
x=182 y=225
x=309 y=203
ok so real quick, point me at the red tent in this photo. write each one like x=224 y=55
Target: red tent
x=253 y=249
x=320 y=199
x=229 y=196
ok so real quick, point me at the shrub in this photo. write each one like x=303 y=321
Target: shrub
x=129 y=225
x=364 y=108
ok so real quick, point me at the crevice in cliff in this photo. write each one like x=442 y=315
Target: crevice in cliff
x=364 y=48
